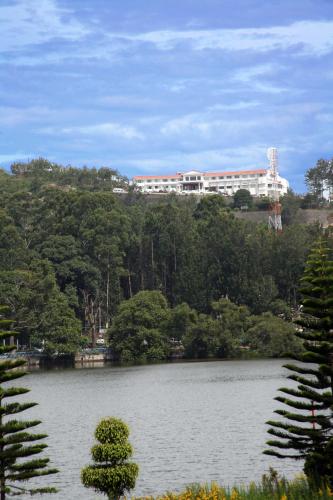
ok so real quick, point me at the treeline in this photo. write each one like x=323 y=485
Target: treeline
x=145 y=328
x=71 y=252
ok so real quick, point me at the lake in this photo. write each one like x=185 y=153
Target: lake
x=190 y=422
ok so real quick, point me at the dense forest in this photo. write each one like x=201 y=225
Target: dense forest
x=74 y=257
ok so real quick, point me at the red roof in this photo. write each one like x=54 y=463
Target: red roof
x=205 y=174
x=176 y=176
x=238 y=172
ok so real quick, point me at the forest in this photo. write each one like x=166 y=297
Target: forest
x=76 y=259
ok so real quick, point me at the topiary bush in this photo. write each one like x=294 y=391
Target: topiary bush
x=111 y=474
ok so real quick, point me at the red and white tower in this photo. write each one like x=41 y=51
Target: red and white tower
x=274 y=219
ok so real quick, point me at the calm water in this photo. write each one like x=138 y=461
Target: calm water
x=190 y=422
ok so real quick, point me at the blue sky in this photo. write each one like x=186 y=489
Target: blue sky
x=158 y=86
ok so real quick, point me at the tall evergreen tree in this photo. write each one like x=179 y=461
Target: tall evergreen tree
x=15 y=441
x=307 y=432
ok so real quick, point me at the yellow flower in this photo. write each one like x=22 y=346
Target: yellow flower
x=284 y=497
x=234 y=495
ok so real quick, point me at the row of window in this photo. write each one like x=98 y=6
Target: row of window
x=223 y=186
x=199 y=178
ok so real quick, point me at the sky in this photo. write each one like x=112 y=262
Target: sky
x=161 y=86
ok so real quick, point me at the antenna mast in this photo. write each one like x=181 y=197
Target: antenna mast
x=274 y=219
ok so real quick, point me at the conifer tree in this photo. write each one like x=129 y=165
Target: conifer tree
x=16 y=443
x=111 y=474
x=307 y=431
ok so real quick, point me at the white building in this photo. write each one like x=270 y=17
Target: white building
x=260 y=182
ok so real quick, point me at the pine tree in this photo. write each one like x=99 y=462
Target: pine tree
x=111 y=474
x=15 y=440
x=307 y=432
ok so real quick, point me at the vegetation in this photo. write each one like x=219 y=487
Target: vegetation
x=72 y=253
x=15 y=440
x=307 y=432
x=243 y=199
x=136 y=333
x=271 y=488
x=319 y=179
x=111 y=474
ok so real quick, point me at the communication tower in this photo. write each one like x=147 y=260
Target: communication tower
x=274 y=219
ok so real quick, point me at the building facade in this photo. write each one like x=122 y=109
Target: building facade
x=260 y=182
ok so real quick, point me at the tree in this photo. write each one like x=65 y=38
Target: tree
x=111 y=474
x=307 y=432
x=290 y=205
x=14 y=439
x=272 y=336
x=180 y=320
x=59 y=331
x=137 y=331
x=243 y=198
x=319 y=178
x=206 y=339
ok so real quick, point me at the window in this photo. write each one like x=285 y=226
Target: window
x=244 y=176
x=269 y=185
x=221 y=177
x=229 y=176
x=165 y=180
x=198 y=177
x=187 y=178
x=148 y=180
x=236 y=176
x=213 y=178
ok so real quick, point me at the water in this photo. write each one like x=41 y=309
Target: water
x=190 y=422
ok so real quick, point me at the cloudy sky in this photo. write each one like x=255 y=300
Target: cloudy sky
x=158 y=86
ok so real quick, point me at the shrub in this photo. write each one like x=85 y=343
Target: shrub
x=111 y=474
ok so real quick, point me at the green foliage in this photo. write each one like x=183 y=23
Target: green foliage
x=16 y=442
x=263 y=203
x=136 y=332
x=311 y=404
x=207 y=338
x=59 y=331
x=181 y=318
x=209 y=206
x=41 y=311
x=63 y=233
x=271 y=487
x=271 y=336
x=243 y=198
x=290 y=203
x=111 y=474
x=318 y=179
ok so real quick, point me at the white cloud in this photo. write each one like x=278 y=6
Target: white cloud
x=127 y=101
x=305 y=37
x=234 y=106
x=252 y=155
x=108 y=129
x=205 y=124
x=29 y=23
x=11 y=116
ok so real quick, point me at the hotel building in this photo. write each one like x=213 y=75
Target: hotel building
x=260 y=182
